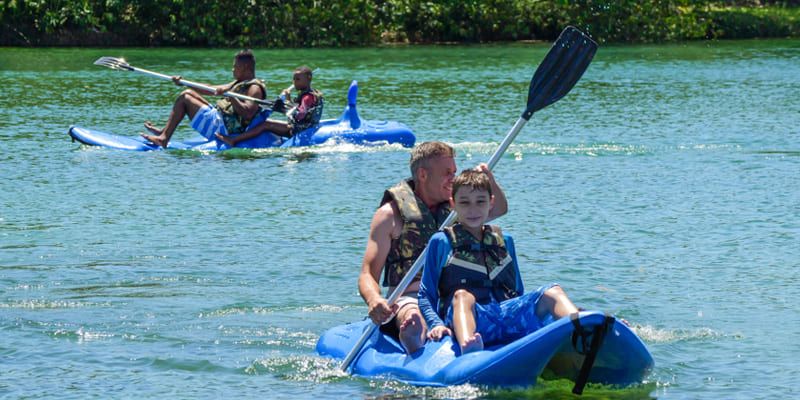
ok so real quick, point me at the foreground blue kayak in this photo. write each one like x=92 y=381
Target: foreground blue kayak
x=349 y=128
x=621 y=357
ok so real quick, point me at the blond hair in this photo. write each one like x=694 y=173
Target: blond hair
x=426 y=151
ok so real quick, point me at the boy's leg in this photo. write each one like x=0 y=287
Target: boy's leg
x=464 y=322
x=187 y=103
x=276 y=127
x=555 y=301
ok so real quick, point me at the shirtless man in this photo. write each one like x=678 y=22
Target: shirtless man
x=410 y=213
x=229 y=116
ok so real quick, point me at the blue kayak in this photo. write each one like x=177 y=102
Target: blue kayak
x=349 y=128
x=620 y=359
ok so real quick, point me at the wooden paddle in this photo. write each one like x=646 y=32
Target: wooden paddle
x=561 y=68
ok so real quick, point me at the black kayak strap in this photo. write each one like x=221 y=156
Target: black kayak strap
x=598 y=334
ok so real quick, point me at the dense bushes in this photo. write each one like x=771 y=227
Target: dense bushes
x=302 y=23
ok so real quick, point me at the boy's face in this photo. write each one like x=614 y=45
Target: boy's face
x=301 y=81
x=472 y=205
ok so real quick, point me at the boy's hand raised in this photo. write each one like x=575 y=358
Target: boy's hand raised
x=437 y=333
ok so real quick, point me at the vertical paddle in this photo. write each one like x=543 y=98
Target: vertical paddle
x=561 y=68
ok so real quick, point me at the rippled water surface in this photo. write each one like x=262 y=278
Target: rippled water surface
x=665 y=188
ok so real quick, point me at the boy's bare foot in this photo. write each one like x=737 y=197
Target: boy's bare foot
x=152 y=128
x=412 y=333
x=225 y=139
x=473 y=343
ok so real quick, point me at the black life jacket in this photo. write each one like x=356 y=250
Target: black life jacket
x=312 y=116
x=419 y=224
x=484 y=268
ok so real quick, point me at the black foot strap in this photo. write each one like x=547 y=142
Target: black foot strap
x=597 y=335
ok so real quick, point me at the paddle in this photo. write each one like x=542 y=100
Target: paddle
x=121 y=64
x=561 y=68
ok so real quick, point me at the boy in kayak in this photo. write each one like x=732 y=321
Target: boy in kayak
x=229 y=115
x=303 y=112
x=410 y=213
x=471 y=285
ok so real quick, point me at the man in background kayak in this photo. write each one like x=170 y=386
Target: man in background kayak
x=303 y=112
x=410 y=213
x=229 y=116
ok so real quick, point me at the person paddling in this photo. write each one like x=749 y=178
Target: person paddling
x=229 y=115
x=304 y=111
x=471 y=284
x=409 y=214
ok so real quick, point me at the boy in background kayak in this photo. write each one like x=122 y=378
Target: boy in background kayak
x=229 y=115
x=303 y=112
x=471 y=284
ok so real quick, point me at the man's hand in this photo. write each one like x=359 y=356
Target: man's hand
x=380 y=312
x=177 y=80
x=437 y=333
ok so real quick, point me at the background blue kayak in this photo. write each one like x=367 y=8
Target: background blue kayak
x=349 y=128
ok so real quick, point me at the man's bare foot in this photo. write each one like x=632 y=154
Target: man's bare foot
x=157 y=140
x=473 y=343
x=225 y=139
x=412 y=333
x=152 y=128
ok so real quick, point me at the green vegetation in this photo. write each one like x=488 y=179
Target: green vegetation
x=314 y=23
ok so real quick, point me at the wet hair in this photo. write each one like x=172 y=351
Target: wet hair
x=305 y=70
x=247 y=58
x=475 y=180
x=426 y=151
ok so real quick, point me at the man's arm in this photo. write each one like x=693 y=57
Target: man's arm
x=500 y=201
x=246 y=108
x=378 y=244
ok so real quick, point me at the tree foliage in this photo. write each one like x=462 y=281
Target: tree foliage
x=315 y=23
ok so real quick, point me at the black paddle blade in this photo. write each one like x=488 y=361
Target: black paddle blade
x=561 y=68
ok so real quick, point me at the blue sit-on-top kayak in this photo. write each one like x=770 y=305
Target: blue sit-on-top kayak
x=349 y=128
x=563 y=346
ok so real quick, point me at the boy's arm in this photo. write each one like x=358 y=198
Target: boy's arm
x=500 y=202
x=429 y=286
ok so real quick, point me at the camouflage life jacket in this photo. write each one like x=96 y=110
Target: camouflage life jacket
x=313 y=115
x=419 y=224
x=485 y=268
x=235 y=123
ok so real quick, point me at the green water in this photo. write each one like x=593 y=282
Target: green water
x=663 y=188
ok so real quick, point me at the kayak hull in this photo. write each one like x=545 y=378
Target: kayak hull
x=622 y=359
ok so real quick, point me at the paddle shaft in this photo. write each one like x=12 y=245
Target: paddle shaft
x=401 y=287
x=199 y=86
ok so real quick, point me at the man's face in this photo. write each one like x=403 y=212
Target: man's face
x=438 y=178
x=240 y=70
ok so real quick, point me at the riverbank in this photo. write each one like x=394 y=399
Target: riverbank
x=343 y=23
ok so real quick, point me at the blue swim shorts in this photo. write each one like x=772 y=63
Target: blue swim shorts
x=506 y=321
x=208 y=121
